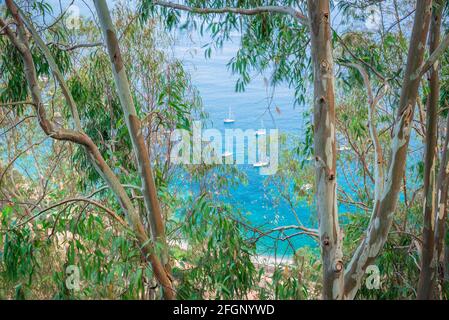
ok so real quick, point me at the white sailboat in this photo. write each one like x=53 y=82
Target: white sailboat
x=306 y=187
x=262 y=131
x=343 y=148
x=229 y=119
x=260 y=164
x=264 y=161
x=226 y=154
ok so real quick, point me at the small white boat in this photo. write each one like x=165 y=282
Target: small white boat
x=227 y=154
x=229 y=119
x=261 y=163
x=307 y=187
x=262 y=131
x=344 y=148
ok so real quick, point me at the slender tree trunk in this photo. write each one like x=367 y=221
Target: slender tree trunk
x=444 y=264
x=426 y=276
x=325 y=148
x=384 y=208
x=79 y=137
x=133 y=123
x=440 y=219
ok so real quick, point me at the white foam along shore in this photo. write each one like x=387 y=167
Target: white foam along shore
x=272 y=261
x=260 y=259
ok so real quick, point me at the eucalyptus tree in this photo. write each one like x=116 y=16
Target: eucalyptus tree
x=18 y=36
x=430 y=205
x=283 y=37
x=275 y=35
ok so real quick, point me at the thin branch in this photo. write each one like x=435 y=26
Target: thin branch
x=54 y=67
x=374 y=70
x=59 y=18
x=378 y=153
x=111 y=213
x=243 y=11
x=434 y=56
x=16 y=103
x=18 y=156
x=67 y=47
x=16 y=124
x=7 y=24
x=398 y=22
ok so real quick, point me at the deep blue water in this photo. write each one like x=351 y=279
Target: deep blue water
x=216 y=86
x=217 y=89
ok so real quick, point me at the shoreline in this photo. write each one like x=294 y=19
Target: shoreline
x=261 y=260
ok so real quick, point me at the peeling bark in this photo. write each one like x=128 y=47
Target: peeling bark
x=149 y=190
x=325 y=148
x=79 y=137
x=384 y=208
x=441 y=264
x=426 y=276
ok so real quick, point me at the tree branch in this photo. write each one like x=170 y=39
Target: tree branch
x=111 y=213
x=378 y=153
x=242 y=11
x=67 y=47
x=54 y=67
x=145 y=244
x=161 y=266
x=444 y=44
x=385 y=207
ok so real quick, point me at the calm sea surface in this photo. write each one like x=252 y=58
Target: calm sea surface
x=216 y=85
x=217 y=89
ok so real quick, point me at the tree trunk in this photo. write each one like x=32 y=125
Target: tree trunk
x=440 y=219
x=133 y=123
x=79 y=137
x=384 y=208
x=325 y=148
x=445 y=264
x=426 y=276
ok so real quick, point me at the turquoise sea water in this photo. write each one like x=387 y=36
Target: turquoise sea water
x=216 y=85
